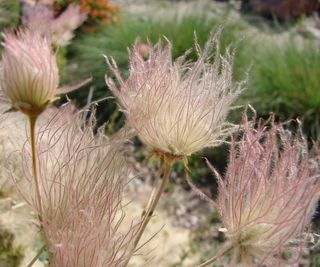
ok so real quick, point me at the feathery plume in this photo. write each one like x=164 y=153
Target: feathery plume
x=29 y=73
x=177 y=107
x=40 y=17
x=82 y=177
x=268 y=195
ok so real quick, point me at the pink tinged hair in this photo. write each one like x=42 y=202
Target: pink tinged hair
x=30 y=73
x=178 y=104
x=269 y=183
x=82 y=177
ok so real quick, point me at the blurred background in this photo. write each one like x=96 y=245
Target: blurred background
x=277 y=44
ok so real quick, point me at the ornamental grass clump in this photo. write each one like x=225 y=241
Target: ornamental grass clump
x=267 y=197
x=82 y=178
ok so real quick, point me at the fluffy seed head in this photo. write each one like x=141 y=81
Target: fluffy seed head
x=81 y=177
x=29 y=75
x=177 y=107
x=268 y=196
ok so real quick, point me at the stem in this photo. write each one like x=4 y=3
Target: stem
x=149 y=212
x=32 y=121
x=36 y=257
x=151 y=206
x=223 y=250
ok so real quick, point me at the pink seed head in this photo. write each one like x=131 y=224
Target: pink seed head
x=268 y=195
x=82 y=177
x=29 y=75
x=177 y=107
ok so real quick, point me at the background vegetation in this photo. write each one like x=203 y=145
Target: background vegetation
x=282 y=68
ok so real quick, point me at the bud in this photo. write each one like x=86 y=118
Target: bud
x=29 y=75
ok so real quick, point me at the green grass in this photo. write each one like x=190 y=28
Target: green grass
x=9 y=13
x=285 y=79
x=9 y=16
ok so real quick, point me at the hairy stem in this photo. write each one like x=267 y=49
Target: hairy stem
x=152 y=204
x=222 y=251
x=32 y=122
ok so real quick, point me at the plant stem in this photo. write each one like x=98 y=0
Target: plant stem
x=151 y=206
x=150 y=210
x=223 y=250
x=32 y=122
x=36 y=257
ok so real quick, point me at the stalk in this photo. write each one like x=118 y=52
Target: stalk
x=32 y=122
x=36 y=257
x=152 y=204
x=222 y=251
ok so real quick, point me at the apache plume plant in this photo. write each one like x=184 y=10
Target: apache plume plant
x=29 y=79
x=82 y=177
x=176 y=107
x=268 y=197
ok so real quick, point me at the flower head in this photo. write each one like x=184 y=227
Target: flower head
x=29 y=75
x=177 y=107
x=268 y=196
x=41 y=18
x=82 y=177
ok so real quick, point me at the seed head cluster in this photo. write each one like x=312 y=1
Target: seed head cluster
x=177 y=107
x=268 y=195
x=82 y=177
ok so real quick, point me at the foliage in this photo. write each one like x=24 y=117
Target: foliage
x=9 y=256
x=285 y=80
x=9 y=12
x=97 y=10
